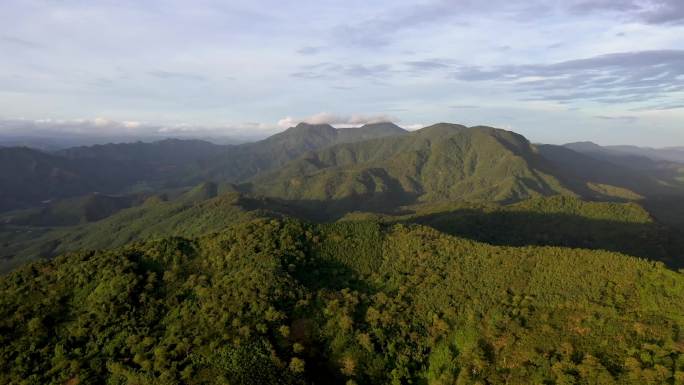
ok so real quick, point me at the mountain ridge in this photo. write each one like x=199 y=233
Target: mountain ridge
x=430 y=161
x=124 y=168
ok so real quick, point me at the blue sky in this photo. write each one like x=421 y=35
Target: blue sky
x=610 y=71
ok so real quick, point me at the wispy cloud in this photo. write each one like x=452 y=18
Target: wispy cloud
x=612 y=78
x=209 y=62
x=176 y=75
x=18 y=42
x=625 y=119
x=463 y=106
x=309 y=50
x=334 y=70
x=649 y=11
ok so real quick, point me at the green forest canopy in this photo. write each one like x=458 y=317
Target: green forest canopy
x=282 y=301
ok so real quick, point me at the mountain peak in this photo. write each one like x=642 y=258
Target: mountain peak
x=440 y=129
x=583 y=146
x=302 y=130
x=368 y=131
x=389 y=126
x=310 y=126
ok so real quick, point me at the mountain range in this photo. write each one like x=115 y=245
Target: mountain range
x=110 y=194
x=365 y=255
x=32 y=176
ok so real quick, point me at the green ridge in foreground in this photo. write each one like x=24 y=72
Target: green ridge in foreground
x=273 y=301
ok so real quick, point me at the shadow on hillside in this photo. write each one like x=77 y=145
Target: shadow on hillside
x=508 y=228
x=332 y=210
x=503 y=227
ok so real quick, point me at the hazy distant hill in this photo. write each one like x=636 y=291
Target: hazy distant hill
x=244 y=161
x=30 y=176
x=666 y=164
x=72 y=211
x=446 y=162
x=321 y=173
x=673 y=154
x=373 y=165
x=166 y=152
x=602 y=175
x=201 y=210
x=670 y=154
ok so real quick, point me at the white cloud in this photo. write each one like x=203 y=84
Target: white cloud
x=131 y=124
x=412 y=127
x=102 y=122
x=336 y=120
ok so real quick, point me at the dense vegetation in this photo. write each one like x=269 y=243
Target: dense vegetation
x=447 y=162
x=562 y=221
x=247 y=160
x=553 y=221
x=450 y=255
x=441 y=162
x=277 y=301
x=30 y=176
x=189 y=215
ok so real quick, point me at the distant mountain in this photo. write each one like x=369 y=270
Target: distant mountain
x=239 y=163
x=440 y=162
x=30 y=176
x=448 y=255
x=671 y=154
x=666 y=165
x=201 y=210
x=447 y=162
x=72 y=211
x=165 y=152
x=598 y=172
x=380 y=163
x=57 y=141
x=368 y=131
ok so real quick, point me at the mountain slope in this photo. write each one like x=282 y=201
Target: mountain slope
x=671 y=154
x=72 y=211
x=199 y=211
x=558 y=221
x=164 y=152
x=604 y=176
x=440 y=162
x=282 y=302
x=244 y=161
x=662 y=164
x=30 y=176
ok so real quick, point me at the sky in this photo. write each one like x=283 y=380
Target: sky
x=610 y=71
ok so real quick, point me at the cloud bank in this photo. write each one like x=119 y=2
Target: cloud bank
x=336 y=120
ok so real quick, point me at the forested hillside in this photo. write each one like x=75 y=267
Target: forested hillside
x=441 y=162
x=319 y=173
x=225 y=192
x=192 y=214
x=447 y=162
x=245 y=161
x=448 y=255
x=550 y=221
x=30 y=176
x=277 y=301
